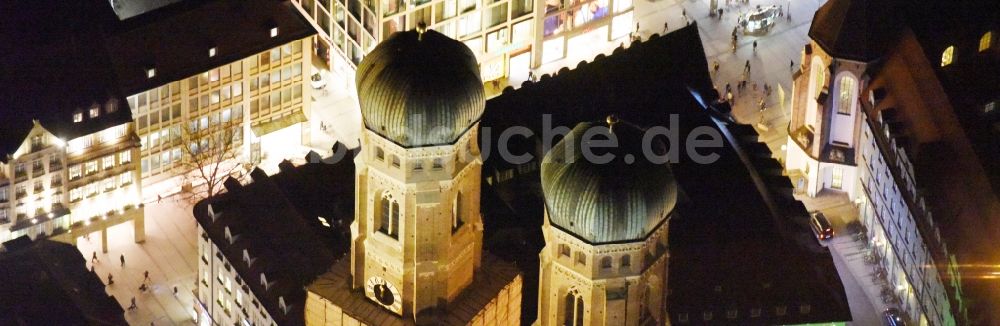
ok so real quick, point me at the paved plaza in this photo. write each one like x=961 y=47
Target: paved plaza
x=169 y=254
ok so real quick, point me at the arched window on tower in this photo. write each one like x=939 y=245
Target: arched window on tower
x=388 y=214
x=947 y=56
x=456 y=213
x=984 y=42
x=846 y=88
x=394 y=227
x=573 y=309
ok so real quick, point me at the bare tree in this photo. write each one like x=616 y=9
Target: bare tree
x=211 y=156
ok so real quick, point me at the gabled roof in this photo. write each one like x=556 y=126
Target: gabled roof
x=47 y=283
x=63 y=56
x=855 y=29
x=276 y=220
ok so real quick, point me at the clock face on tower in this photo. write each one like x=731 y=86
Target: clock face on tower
x=384 y=293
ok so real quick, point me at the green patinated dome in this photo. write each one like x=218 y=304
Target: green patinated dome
x=420 y=89
x=620 y=201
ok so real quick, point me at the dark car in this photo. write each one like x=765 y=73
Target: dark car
x=893 y=317
x=820 y=225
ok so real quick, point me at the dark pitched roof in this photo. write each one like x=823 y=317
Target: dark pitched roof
x=736 y=225
x=54 y=68
x=489 y=280
x=62 y=56
x=276 y=219
x=47 y=283
x=175 y=39
x=855 y=29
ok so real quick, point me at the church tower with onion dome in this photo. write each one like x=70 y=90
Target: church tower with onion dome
x=417 y=238
x=417 y=230
x=605 y=228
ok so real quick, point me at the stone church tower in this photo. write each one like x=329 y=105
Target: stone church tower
x=417 y=233
x=605 y=255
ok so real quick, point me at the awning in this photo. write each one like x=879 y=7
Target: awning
x=262 y=129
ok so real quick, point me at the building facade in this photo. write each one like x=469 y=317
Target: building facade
x=500 y=33
x=240 y=101
x=68 y=188
x=861 y=125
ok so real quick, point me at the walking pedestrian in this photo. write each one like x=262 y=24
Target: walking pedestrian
x=746 y=70
x=754 y=46
x=791 y=65
x=111 y=279
x=91 y=268
x=122 y=258
x=665 y=28
x=133 y=306
x=93 y=258
x=145 y=276
x=175 y=290
x=715 y=66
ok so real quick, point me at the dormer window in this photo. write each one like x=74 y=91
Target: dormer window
x=77 y=117
x=150 y=72
x=211 y=52
x=274 y=31
x=94 y=112
x=282 y=305
x=263 y=281
x=229 y=236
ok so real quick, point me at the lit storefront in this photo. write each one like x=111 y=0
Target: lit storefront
x=572 y=26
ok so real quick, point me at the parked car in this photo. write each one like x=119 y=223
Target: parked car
x=820 y=225
x=893 y=317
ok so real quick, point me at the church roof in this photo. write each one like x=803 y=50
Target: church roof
x=855 y=29
x=625 y=199
x=420 y=89
x=736 y=225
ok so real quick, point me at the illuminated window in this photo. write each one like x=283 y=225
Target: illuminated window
x=274 y=31
x=947 y=56
x=75 y=194
x=984 y=42
x=125 y=179
x=74 y=172
x=563 y=250
x=125 y=157
x=77 y=117
x=91 y=167
x=847 y=88
x=108 y=184
x=94 y=112
x=108 y=162
x=150 y=72
x=211 y=52
x=837 y=178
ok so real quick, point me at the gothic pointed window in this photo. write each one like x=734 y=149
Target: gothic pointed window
x=394 y=228
x=388 y=215
x=573 y=309
x=846 y=94
x=456 y=212
x=984 y=42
